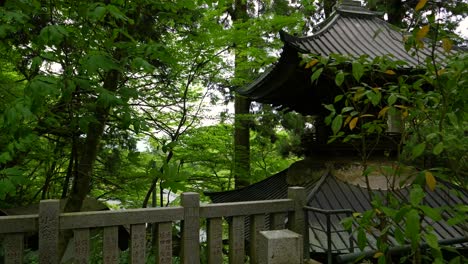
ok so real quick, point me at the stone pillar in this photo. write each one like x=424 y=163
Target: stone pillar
x=280 y=247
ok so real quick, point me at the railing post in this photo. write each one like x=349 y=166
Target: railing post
x=296 y=219
x=49 y=211
x=190 y=252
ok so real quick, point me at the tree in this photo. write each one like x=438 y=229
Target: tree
x=84 y=67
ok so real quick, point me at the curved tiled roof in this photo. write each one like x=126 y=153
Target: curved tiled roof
x=351 y=30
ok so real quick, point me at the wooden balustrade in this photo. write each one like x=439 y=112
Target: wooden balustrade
x=50 y=222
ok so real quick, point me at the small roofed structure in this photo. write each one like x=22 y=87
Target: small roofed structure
x=334 y=196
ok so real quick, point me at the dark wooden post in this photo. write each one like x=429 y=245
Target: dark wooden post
x=49 y=212
x=296 y=219
x=190 y=253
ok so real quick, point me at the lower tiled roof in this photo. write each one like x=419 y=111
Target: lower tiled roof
x=330 y=193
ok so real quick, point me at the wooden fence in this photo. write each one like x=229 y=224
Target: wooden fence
x=50 y=222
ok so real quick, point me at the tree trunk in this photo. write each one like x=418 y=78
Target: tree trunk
x=82 y=180
x=241 y=142
x=241 y=108
x=328 y=7
x=395 y=12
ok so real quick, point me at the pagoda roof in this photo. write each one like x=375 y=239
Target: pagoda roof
x=351 y=30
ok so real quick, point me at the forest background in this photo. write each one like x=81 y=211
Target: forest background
x=82 y=83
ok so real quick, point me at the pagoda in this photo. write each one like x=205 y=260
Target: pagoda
x=352 y=30
x=329 y=173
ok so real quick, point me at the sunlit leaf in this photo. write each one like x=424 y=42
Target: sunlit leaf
x=390 y=72
x=353 y=123
x=378 y=254
x=430 y=180
x=311 y=63
x=422 y=32
x=383 y=112
x=356 y=214
x=347 y=120
x=447 y=44
x=420 y=5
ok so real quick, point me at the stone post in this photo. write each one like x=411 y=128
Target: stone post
x=49 y=212
x=296 y=219
x=190 y=253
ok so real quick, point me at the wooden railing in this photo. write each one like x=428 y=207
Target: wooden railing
x=49 y=223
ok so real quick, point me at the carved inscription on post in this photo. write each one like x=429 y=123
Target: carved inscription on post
x=81 y=239
x=49 y=211
x=14 y=246
x=164 y=250
x=138 y=249
x=110 y=247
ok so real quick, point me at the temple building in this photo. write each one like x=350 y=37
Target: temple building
x=331 y=173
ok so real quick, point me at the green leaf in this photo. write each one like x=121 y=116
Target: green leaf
x=432 y=213
x=362 y=239
x=392 y=99
x=337 y=124
x=413 y=227
x=116 y=13
x=432 y=241
x=453 y=119
x=316 y=74
x=6 y=187
x=53 y=34
x=358 y=70
x=339 y=78
x=347 y=109
x=347 y=223
x=338 y=98
x=140 y=63
x=399 y=236
x=418 y=150
x=98 y=13
x=416 y=195
x=100 y=61
x=374 y=97
x=330 y=107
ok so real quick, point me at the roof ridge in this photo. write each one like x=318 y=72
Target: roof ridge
x=319 y=183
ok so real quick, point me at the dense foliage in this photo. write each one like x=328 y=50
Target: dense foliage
x=113 y=98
